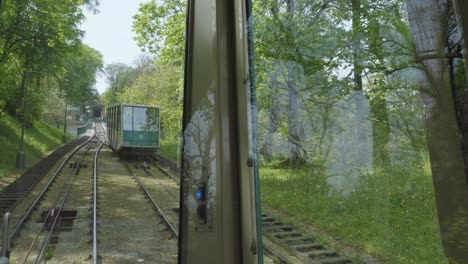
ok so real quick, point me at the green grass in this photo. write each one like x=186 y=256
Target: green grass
x=389 y=214
x=170 y=149
x=39 y=140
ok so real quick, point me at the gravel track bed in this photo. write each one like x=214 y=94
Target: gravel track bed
x=168 y=163
x=130 y=231
x=164 y=190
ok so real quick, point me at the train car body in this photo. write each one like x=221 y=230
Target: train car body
x=133 y=127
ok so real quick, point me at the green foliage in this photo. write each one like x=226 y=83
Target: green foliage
x=159 y=87
x=119 y=76
x=391 y=214
x=325 y=70
x=170 y=148
x=40 y=138
x=41 y=40
x=160 y=28
x=108 y=98
x=81 y=68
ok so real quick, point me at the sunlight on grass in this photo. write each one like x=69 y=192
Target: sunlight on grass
x=390 y=214
x=170 y=149
x=38 y=141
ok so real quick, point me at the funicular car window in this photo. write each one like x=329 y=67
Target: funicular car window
x=140 y=122
x=152 y=119
x=127 y=118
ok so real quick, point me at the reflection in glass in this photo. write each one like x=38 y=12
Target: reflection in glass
x=127 y=118
x=199 y=154
x=361 y=112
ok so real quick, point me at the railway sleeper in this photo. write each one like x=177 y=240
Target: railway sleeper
x=300 y=241
x=275 y=229
x=17 y=188
x=267 y=224
x=307 y=247
x=336 y=260
x=10 y=195
x=8 y=200
x=287 y=234
x=268 y=219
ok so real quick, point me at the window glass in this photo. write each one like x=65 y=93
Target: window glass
x=140 y=119
x=153 y=119
x=362 y=120
x=127 y=118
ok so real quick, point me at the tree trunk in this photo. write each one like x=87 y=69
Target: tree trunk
x=442 y=133
x=297 y=152
x=267 y=145
x=380 y=132
x=359 y=96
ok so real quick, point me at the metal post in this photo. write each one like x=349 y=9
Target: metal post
x=64 y=137
x=5 y=252
x=20 y=163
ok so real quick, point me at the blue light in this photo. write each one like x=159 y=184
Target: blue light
x=200 y=194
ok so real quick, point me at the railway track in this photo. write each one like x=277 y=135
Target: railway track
x=49 y=227
x=281 y=242
x=14 y=193
x=145 y=240
x=97 y=208
x=91 y=209
x=128 y=228
x=164 y=191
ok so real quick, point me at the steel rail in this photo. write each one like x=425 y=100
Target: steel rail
x=158 y=209
x=158 y=181
x=95 y=252
x=49 y=235
x=163 y=171
x=43 y=248
x=269 y=250
x=69 y=180
x=45 y=189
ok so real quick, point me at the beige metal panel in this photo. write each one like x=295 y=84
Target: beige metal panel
x=200 y=135
x=245 y=141
x=211 y=137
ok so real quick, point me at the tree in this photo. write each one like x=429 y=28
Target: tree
x=35 y=35
x=119 y=76
x=427 y=19
x=160 y=29
x=159 y=87
x=79 y=78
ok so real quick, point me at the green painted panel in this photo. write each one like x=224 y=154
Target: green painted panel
x=140 y=138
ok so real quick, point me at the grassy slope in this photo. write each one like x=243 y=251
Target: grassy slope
x=391 y=214
x=39 y=141
x=169 y=149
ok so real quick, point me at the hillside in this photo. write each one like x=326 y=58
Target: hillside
x=40 y=139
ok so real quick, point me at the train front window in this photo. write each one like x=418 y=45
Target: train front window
x=139 y=119
x=127 y=118
x=144 y=119
x=151 y=119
